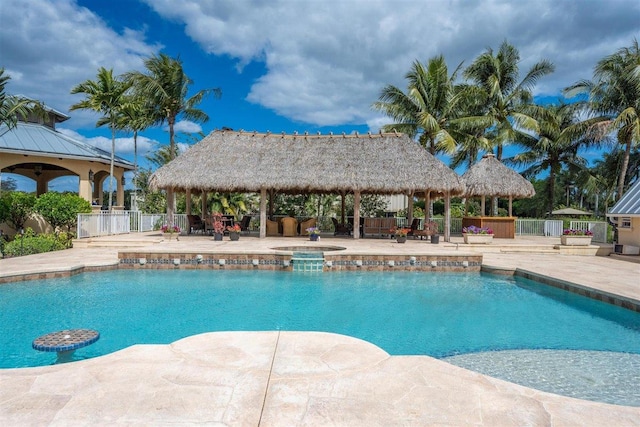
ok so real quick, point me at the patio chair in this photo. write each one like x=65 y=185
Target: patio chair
x=195 y=224
x=340 y=229
x=272 y=228
x=289 y=227
x=311 y=222
x=244 y=224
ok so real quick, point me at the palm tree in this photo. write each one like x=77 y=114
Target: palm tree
x=505 y=98
x=560 y=137
x=13 y=107
x=615 y=92
x=166 y=86
x=134 y=116
x=427 y=107
x=103 y=95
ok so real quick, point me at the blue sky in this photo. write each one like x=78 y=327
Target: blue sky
x=291 y=65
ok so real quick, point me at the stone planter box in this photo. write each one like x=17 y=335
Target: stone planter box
x=474 y=239
x=568 y=240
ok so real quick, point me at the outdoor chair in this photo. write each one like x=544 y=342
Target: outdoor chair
x=195 y=224
x=340 y=229
x=289 y=227
x=311 y=222
x=272 y=228
x=244 y=224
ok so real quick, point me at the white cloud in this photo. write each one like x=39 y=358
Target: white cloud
x=124 y=146
x=326 y=61
x=185 y=126
x=50 y=46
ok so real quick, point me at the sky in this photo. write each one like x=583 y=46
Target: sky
x=291 y=65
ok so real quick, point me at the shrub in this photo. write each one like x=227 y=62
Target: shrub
x=31 y=243
x=61 y=209
x=17 y=208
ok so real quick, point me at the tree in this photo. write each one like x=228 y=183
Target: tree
x=20 y=208
x=14 y=107
x=166 y=86
x=427 y=107
x=104 y=95
x=61 y=209
x=561 y=135
x=134 y=115
x=504 y=97
x=615 y=93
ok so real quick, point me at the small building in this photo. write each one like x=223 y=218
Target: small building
x=626 y=213
x=36 y=150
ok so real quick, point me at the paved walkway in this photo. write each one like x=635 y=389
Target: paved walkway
x=297 y=378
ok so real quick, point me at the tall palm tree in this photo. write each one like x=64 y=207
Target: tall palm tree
x=615 y=92
x=427 y=107
x=166 y=86
x=13 y=107
x=103 y=95
x=134 y=116
x=505 y=97
x=561 y=135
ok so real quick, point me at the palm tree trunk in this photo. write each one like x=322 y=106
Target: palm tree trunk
x=551 y=191
x=113 y=150
x=623 y=169
x=135 y=168
x=171 y=200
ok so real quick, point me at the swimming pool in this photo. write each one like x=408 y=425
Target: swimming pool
x=404 y=313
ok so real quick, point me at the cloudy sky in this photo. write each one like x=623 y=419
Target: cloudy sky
x=292 y=65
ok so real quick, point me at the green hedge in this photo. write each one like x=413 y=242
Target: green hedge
x=31 y=243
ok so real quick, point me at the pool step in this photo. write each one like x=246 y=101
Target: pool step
x=307 y=261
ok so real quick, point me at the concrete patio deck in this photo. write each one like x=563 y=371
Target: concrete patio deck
x=297 y=378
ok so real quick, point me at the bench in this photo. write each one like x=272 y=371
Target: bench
x=378 y=226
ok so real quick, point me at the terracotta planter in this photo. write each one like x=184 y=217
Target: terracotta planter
x=234 y=236
x=475 y=239
x=401 y=239
x=568 y=240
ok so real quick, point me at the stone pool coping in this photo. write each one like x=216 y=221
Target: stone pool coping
x=280 y=379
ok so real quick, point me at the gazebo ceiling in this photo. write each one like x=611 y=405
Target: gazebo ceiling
x=248 y=162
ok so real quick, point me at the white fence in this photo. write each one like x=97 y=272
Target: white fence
x=121 y=222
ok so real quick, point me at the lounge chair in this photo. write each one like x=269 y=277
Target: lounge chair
x=195 y=224
x=289 y=227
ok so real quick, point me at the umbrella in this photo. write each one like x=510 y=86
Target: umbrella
x=570 y=211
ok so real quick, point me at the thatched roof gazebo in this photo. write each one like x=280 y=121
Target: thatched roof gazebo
x=230 y=161
x=490 y=178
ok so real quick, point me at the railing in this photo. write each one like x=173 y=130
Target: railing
x=121 y=222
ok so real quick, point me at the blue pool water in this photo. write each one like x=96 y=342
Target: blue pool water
x=405 y=313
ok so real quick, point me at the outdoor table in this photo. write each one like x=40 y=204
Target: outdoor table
x=66 y=342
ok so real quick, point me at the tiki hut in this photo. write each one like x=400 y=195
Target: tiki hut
x=230 y=161
x=490 y=178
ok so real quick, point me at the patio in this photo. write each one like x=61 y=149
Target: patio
x=296 y=378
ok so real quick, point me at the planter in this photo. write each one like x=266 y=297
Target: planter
x=217 y=236
x=170 y=236
x=234 y=236
x=314 y=237
x=401 y=239
x=569 y=240
x=474 y=239
x=435 y=239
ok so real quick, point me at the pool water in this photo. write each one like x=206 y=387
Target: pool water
x=404 y=313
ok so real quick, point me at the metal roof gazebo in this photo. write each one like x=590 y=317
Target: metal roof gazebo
x=385 y=163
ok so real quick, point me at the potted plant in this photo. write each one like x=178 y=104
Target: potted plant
x=401 y=234
x=431 y=229
x=314 y=233
x=576 y=237
x=169 y=230
x=218 y=226
x=234 y=231
x=473 y=234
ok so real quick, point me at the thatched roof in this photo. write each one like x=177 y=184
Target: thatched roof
x=489 y=177
x=247 y=162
